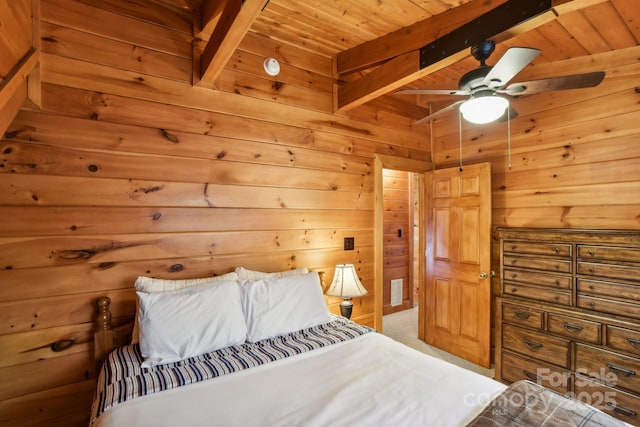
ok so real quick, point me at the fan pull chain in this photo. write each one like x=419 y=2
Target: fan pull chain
x=509 y=135
x=460 y=136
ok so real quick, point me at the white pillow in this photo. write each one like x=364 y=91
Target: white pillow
x=244 y=274
x=176 y=325
x=150 y=284
x=276 y=306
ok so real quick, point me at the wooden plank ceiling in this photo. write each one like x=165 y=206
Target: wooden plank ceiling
x=375 y=44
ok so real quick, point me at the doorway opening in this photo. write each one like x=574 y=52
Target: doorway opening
x=399 y=238
x=400 y=241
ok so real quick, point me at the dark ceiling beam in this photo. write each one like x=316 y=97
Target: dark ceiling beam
x=405 y=68
x=377 y=51
x=488 y=25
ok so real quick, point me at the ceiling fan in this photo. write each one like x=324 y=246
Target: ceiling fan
x=484 y=84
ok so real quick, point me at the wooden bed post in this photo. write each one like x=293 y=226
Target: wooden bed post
x=103 y=337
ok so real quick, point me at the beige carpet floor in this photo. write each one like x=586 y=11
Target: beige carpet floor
x=403 y=327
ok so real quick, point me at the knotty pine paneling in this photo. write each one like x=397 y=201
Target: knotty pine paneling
x=74 y=221
x=55 y=406
x=29 y=252
x=212 y=104
x=127 y=170
x=104 y=276
x=126 y=162
x=176 y=18
x=194 y=128
x=38 y=159
x=65 y=41
x=109 y=23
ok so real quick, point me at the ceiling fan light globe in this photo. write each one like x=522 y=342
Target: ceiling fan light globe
x=485 y=109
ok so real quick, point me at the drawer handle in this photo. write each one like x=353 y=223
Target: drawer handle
x=627 y=372
x=591 y=304
x=592 y=270
x=574 y=329
x=532 y=376
x=513 y=290
x=590 y=252
x=514 y=261
x=522 y=315
x=633 y=341
x=513 y=276
x=533 y=345
x=513 y=247
x=557 y=282
x=621 y=410
x=557 y=266
x=557 y=250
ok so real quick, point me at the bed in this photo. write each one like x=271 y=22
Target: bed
x=275 y=357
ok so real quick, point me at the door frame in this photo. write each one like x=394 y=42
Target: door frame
x=381 y=162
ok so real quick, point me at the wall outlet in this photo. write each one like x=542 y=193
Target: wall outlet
x=349 y=243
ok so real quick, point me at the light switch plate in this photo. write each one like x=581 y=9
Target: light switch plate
x=349 y=243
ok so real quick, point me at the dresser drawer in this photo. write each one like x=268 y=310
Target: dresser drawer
x=561 y=266
x=535 y=248
x=611 y=289
x=536 y=344
x=572 y=327
x=608 y=306
x=540 y=294
x=622 y=339
x=613 y=369
x=522 y=315
x=516 y=367
x=614 y=402
x=609 y=253
x=535 y=278
x=609 y=270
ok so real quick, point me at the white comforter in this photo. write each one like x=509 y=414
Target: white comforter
x=368 y=381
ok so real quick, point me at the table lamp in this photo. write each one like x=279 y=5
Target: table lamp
x=346 y=285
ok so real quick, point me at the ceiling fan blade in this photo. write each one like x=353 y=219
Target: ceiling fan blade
x=431 y=92
x=574 y=81
x=439 y=112
x=511 y=63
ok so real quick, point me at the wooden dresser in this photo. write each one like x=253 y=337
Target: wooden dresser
x=569 y=314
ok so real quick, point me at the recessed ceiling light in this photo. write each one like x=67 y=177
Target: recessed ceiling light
x=271 y=66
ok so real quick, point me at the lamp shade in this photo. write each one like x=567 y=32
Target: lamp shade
x=346 y=283
x=484 y=109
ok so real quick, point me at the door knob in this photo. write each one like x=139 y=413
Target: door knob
x=483 y=275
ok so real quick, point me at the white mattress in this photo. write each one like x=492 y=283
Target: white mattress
x=368 y=381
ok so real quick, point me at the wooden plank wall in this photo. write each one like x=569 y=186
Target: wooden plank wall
x=397 y=233
x=129 y=170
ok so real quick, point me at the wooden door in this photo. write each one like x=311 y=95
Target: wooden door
x=458 y=251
